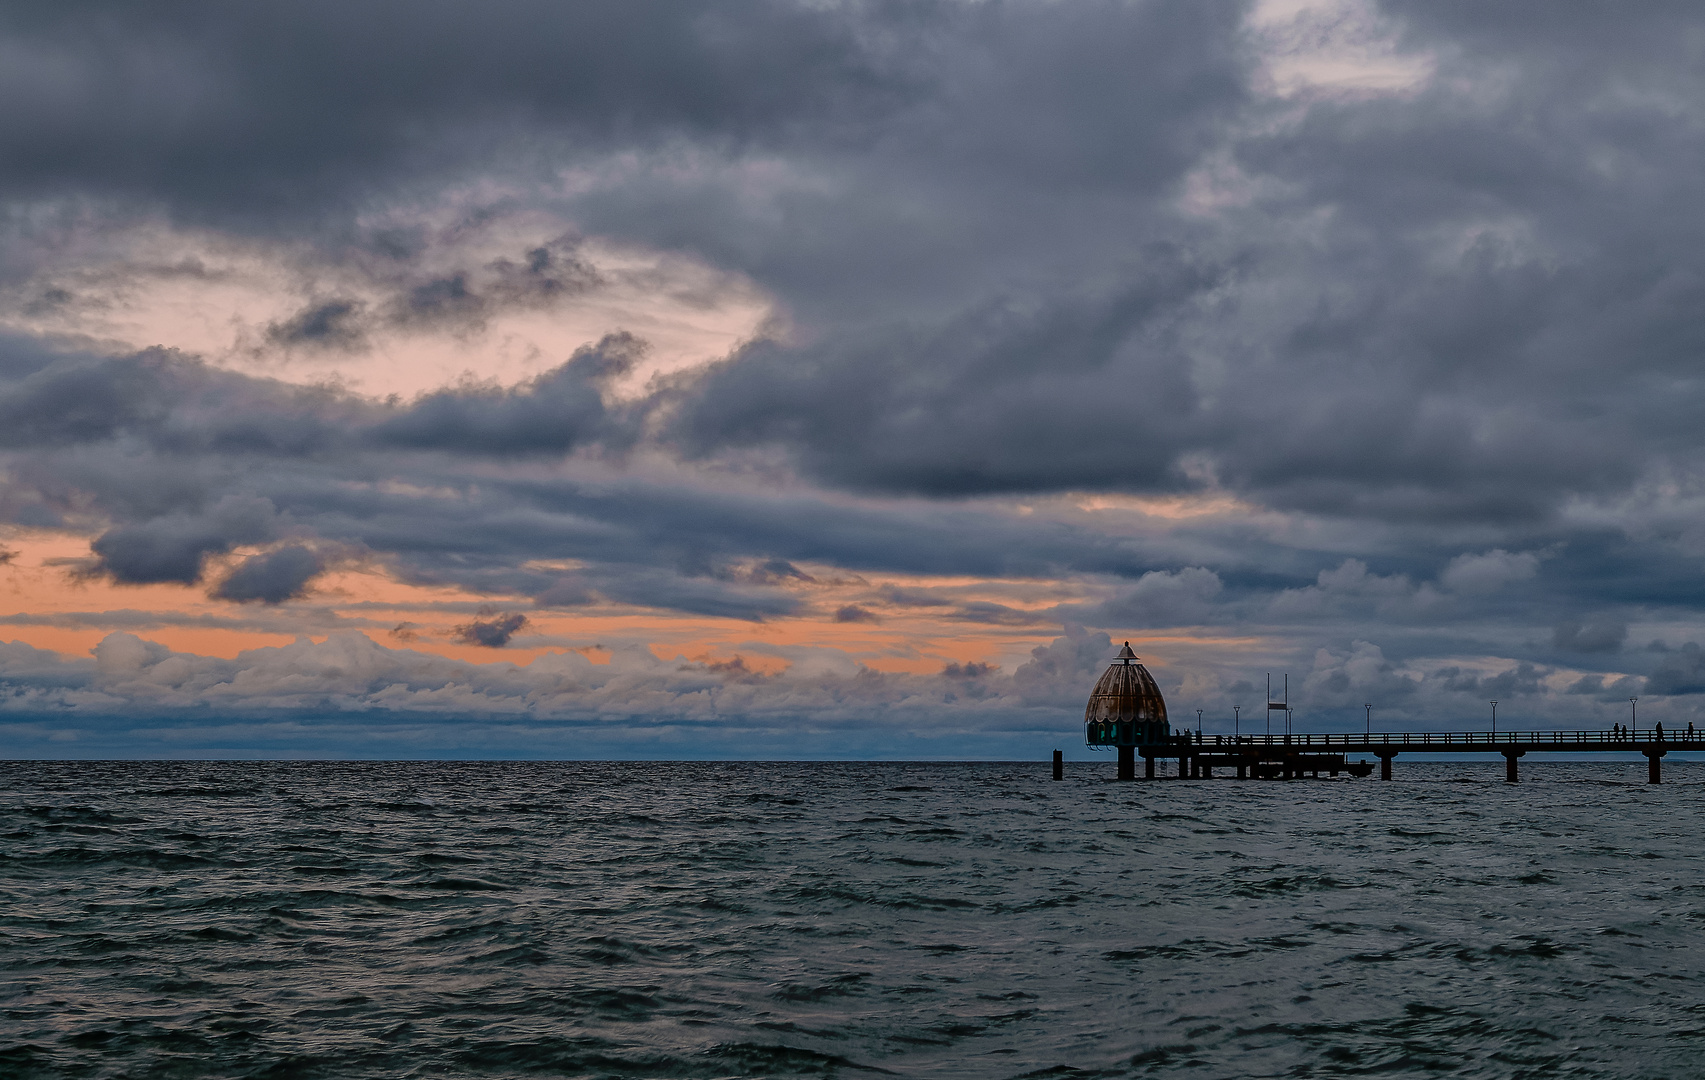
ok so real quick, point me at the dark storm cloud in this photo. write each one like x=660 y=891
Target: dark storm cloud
x=1090 y=394
x=168 y=402
x=210 y=112
x=1681 y=672
x=552 y=413
x=492 y=633
x=78 y=400
x=1603 y=634
x=273 y=577
x=172 y=547
x=331 y=324
x=1449 y=333
x=1441 y=316
x=464 y=300
x=417 y=300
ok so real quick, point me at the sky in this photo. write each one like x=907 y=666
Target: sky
x=808 y=379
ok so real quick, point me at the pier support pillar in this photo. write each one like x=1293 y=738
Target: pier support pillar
x=1127 y=763
x=1653 y=774
x=1059 y=764
x=1183 y=767
x=1148 y=767
x=1242 y=771
x=1207 y=772
x=1510 y=765
x=1385 y=766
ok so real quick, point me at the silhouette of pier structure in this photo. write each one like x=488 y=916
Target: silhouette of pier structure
x=1126 y=713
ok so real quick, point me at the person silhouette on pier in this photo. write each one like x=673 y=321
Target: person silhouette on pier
x=1658 y=731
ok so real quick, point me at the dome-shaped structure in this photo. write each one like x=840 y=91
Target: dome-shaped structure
x=1126 y=708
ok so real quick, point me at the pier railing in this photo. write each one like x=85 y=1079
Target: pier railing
x=1464 y=739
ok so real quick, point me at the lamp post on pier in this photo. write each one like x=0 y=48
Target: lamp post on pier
x=1368 y=718
x=1198 y=725
x=1494 y=721
x=1633 y=718
x=1236 y=722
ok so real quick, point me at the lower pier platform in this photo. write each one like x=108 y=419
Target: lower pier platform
x=1260 y=764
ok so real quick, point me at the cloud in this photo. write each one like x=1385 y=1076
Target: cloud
x=273 y=577
x=350 y=675
x=1681 y=672
x=1355 y=677
x=1488 y=572
x=552 y=413
x=172 y=547
x=1601 y=635
x=227 y=135
x=1165 y=598
x=330 y=324
x=493 y=633
x=1307 y=343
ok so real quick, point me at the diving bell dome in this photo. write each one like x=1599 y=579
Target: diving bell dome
x=1126 y=708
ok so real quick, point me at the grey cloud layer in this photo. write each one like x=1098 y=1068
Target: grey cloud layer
x=1451 y=332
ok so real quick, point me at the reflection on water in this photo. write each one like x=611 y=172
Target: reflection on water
x=717 y=920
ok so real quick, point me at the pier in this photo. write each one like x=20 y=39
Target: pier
x=1297 y=755
x=1127 y=713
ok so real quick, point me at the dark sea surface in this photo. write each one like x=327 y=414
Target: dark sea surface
x=930 y=920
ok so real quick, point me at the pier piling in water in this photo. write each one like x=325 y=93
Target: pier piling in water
x=1653 y=774
x=1059 y=764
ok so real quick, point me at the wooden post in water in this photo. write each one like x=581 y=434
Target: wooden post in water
x=1059 y=764
x=1128 y=763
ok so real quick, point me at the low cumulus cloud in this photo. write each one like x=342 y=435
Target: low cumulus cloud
x=352 y=675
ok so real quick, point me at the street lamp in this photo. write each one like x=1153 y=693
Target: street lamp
x=1494 y=721
x=1368 y=717
x=1198 y=725
x=1236 y=722
x=1633 y=719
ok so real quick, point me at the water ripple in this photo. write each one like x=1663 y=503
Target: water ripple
x=837 y=920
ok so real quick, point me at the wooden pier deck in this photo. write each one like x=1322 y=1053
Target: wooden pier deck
x=1286 y=756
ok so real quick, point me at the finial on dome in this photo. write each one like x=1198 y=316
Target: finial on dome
x=1126 y=653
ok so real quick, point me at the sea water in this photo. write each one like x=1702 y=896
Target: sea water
x=846 y=919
